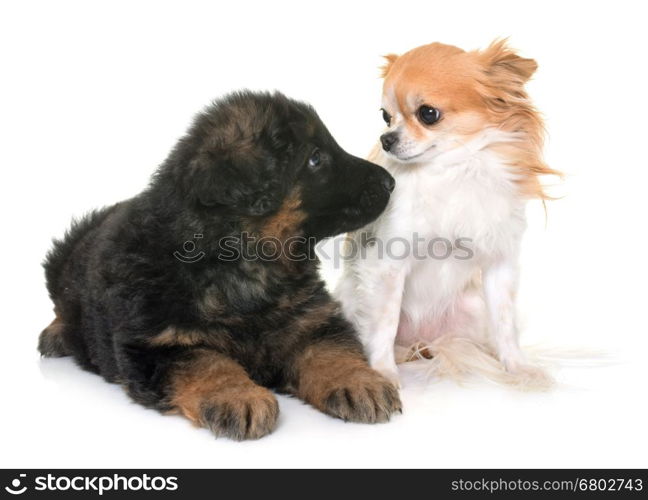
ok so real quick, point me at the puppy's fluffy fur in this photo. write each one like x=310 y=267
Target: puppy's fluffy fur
x=207 y=337
x=464 y=143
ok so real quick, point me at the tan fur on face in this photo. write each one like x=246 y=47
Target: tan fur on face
x=474 y=91
x=286 y=221
x=281 y=229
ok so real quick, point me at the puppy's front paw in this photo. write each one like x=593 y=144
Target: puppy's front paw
x=250 y=413
x=366 y=396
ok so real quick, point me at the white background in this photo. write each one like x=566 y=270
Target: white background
x=93 y=96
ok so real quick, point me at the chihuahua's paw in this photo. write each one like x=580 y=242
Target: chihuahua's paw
x=365 y=396
x=249 y=414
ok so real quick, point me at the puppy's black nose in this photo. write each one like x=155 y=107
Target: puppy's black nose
x=389 y=183
x=388 y=140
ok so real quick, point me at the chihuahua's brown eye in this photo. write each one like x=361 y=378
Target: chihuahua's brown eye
x=315 y=159
x=386 y=117
x=429 y=115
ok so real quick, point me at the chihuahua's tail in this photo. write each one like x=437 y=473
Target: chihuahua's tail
x=461 y=359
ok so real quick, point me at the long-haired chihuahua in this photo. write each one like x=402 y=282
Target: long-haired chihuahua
x=436 y=274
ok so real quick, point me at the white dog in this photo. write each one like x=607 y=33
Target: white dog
x=437 y=273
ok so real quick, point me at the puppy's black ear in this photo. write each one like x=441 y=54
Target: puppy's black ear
x=230 y=185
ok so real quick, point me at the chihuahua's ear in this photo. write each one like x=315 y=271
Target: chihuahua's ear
x=221 y=183
x=501 y=61
x=390 y=59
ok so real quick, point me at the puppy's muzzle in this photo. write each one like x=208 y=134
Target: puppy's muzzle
x=377 y=191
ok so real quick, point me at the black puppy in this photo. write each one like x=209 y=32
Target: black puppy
x=255 y=182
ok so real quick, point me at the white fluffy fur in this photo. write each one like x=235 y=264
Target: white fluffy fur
x=460 y=311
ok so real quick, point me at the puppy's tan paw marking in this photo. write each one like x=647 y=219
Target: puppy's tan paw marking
x=339 y=382
x=366 y=397
x=214 y=391
x=250 y=414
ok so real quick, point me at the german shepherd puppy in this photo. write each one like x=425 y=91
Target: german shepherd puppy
x=202 y=292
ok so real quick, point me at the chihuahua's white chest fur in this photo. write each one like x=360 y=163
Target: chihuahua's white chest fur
x=441 y=261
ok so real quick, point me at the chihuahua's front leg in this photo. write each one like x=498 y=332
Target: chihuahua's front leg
x=500 y=289
x=370 y=293
x=382 y=306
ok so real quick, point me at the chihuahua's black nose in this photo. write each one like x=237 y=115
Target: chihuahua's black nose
x=388 y=140
x=389 y=183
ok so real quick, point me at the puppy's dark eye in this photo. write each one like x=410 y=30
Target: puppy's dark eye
x=429 y=115
x=315 y=159
x=386 y=117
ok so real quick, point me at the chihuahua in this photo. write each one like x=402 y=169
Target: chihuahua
x=436 y=274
